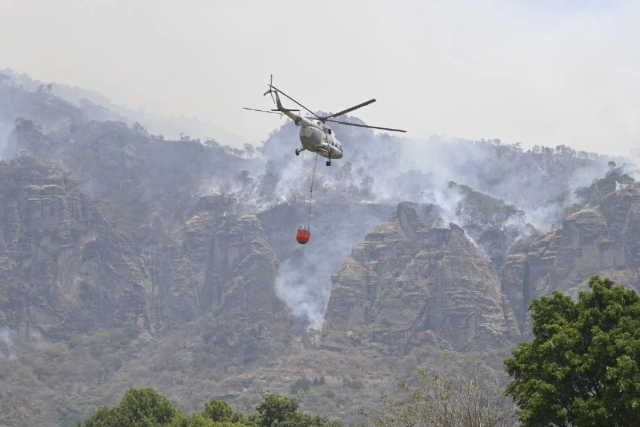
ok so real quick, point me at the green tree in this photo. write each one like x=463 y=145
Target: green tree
x=195 y=420
x=104 y=417
x=582 y=368
x=221 y=411
x=274 y=409
x=201 y=420
x=140 y=407
x=280 y=411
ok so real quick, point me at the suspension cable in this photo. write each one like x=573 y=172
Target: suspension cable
x=313 y=175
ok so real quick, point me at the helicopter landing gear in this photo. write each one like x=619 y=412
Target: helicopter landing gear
x=298 y=151
x=328 y=162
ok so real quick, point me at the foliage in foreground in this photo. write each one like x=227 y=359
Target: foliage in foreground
x=466 y=395
x=145 y=407
x=582 y=369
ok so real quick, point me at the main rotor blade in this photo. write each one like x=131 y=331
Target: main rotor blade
x=365 y=126
x=371 y=101
x=281 y=92
x=260 y=111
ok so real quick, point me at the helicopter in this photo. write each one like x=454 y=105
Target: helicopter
x=315 y=135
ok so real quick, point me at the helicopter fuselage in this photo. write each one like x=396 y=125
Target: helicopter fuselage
x=316 y=137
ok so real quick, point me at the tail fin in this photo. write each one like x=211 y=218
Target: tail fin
x=278 y=103
x=271 y=91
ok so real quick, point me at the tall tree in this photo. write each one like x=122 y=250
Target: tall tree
x=281 y=411
x=243 y=178
x=140 y=407
x=249 y=150
x=583 y=367
x=220 y=411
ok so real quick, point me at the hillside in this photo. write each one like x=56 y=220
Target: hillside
x=129 y=259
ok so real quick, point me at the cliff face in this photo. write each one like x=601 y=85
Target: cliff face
x=225 y=268
x=408 y=284
x=228 y=254
x=144 y=184
x=63 y=269
x=601 y=241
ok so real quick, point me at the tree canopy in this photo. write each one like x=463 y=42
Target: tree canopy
x=145 y=407
x=582 y=368
x=140 y=407
x=282 y=411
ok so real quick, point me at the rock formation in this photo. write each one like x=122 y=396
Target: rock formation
x=227 y=269
x=601 y=241
x=408 y=284
x=63 y=269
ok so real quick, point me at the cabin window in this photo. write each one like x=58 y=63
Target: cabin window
x=329 y=130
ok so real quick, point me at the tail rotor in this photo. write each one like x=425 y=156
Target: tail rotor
x=270 y=91
x=276 y=100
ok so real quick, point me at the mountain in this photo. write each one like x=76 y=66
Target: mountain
x=130 y=259
x=100 y=107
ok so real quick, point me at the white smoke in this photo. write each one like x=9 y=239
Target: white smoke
x=305 y=292
x=6 y=340
x=387 y=170
x=303 y=281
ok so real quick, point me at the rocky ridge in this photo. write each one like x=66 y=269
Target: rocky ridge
x=600 y=241
x=409 y=284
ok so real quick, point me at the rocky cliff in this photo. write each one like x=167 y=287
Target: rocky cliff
x=228 y=269
x=63 y=269
x=409 y=284
x=600 y=241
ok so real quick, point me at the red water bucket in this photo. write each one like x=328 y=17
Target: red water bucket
x=303 y=236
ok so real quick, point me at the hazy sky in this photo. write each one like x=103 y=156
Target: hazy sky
x=540 y=71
